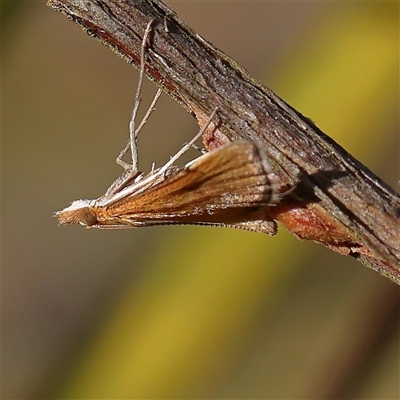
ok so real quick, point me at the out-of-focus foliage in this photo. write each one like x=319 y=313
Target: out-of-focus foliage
x=189 y=312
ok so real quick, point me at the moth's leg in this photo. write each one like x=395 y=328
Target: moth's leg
x=148 y=112
x=133 y=132
x=128 y=145
x=119 y=160
x=202 y=151
x=120 y=182
x=188 y=145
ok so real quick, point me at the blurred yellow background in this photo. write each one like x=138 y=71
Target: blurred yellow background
x=189 y=312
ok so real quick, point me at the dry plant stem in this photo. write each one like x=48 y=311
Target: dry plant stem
x=337 y=202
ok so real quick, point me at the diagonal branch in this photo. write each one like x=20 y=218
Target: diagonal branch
x=337 y=201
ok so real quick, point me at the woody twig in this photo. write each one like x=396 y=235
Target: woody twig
x=337 y=201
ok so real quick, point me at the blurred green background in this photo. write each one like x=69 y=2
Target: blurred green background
x=189 y=312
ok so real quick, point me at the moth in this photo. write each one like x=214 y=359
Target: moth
x=230 y=186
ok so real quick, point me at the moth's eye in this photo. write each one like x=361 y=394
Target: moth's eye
x=86 y=217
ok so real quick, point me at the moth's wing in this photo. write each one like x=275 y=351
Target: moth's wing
x=229 y=178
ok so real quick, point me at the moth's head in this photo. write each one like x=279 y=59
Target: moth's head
x=79 y=212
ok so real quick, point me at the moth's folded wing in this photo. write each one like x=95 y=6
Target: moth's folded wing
x=233 y=176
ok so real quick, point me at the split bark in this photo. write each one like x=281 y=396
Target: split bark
x=337 y=201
